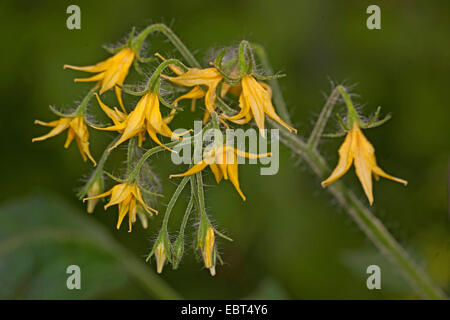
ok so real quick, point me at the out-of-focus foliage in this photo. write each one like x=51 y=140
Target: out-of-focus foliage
x=41 y=236
x=291 y=241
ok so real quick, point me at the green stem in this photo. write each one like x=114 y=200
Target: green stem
x=173 y=200
x=98 y=170
x=178 y=246
x=363 y=217
x=130 y=151
x=368 y=223
x=317 y=132
x=187 y=55
x=218 y=136
x=133 y=175
x=204 y=220
x=200 y=194
x=372 y=227
x=224 y=106
x=244 y=66
x=352 y=115
x=81 y=110
x=278 y=99
x=153 y=81
x=150 y=152
x=188 y=211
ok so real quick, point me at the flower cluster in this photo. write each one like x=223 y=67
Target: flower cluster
x=230 y=80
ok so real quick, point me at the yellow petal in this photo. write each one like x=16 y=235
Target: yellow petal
x=135 y=122
x=47 y=124
x=177 y=70
x=101 y=66
x=195 y=93
x=233 y=176
x=194 y=169
x=133 y=208
x=248 y=155
x=151 y=132
x=97 y=77
x=363 y=164
x=170 y=117
x=59 y=126
x=378 y=171
x=137 y=194
x=119 y=193
x=267 y=88
x=225 y=88
x=345 y=160
x=116 y=74
x=115 y=115
x=160 y=256
x=216 y=171
x=119 y=127
x=154 y=117
x=245 y=109
x=211 y=95
x=270 y=111
x=83 y=146
x=102 y=195
x=119 y=97
x=124 y=207
x=93 y=191
x=206 y=116
x=208 y=247
x=256 y=97
x=70 y=136
x=247 y=118
x=195 y=77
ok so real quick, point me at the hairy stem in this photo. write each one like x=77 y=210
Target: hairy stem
x=187 y=55
x=278 y=99
x=98 y=170
x=366 y=221
x=363 y=217
x=173 y=200
x=317 y=132
x=372 y=227
x=188 y=210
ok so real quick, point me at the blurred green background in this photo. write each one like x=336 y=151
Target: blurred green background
x=290 y=239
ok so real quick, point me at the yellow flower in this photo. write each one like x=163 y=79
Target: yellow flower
x=227 y=88
x=358 y=149
x=256 y=101
x=146 y=116
x=223 y=164
x=76 y=129
x=208 y=250
x=160 y=256
x=194 y=94
x=129 y=198
x=93 y=191
x=110 y=73
x=208 y=77
x=117 y=117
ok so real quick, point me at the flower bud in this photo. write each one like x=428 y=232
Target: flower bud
x=143 y=217
x=93 y=191
x=208 y=250
x=160 y=256
x=178 y=249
